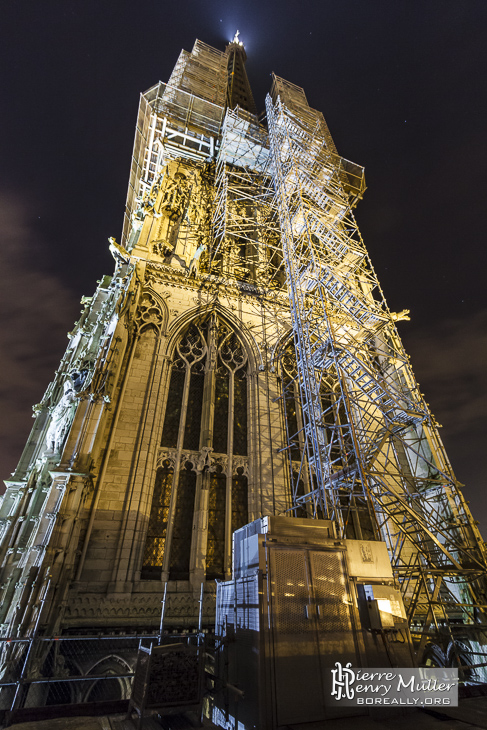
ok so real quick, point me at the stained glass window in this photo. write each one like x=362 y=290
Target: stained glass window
x=183 y=524
x=300 y=512
x=240 y=500
x=208 y=349
x=240 y=413
x=193 y=412
x=156 y=534
x=216 y=524
x=173 y=409
x=332 y=412
x=220 y=425
x=291 y=400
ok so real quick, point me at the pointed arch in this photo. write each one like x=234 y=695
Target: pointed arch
x=152 y=312
x=285 y=362
x=281 y=345
x=204 y=435
x=178 y=325
x=333 y=432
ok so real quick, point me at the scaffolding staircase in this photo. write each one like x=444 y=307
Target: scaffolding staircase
x=385 y=445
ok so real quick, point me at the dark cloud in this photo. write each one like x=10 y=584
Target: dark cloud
x=450 y=362
x=36 y=308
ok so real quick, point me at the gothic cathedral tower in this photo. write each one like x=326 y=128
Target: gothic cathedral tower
x=240 y=362
x=163 y=431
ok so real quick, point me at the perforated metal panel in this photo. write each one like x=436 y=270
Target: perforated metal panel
x=331 y=592
x=167 y=676
x=333 y=606
x=296 y=662
x=291 y=594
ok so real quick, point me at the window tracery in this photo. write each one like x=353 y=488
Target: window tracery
x=293 y=416
x=205 y=427
x=149 y=313
x=337 y=437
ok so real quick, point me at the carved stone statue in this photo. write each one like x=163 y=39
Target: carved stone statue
x=62 y=414
x=401 y=316
x=118 y=253
x=194 y=265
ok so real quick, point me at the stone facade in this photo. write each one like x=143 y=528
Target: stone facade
x=84 y=534
x=175 y=415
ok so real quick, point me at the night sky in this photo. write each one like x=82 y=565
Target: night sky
x=402 y=85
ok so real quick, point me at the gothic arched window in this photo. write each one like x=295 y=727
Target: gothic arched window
x=204 y=439
x=293 y=416
x=339 y=446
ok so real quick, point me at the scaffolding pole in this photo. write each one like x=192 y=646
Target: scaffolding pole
x=371 y=456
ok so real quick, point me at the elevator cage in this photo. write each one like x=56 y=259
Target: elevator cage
x=301 y=600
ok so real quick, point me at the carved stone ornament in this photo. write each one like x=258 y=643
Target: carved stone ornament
x=142 y=606
x=61 y=417
x=204 y=459
x=167 y=455
x=241 y=462
x=222 y=461
x=149 y=313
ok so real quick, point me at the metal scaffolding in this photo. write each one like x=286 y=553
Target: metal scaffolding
x=371 y=457
x=203 y=73
x=252 y=219
x=245 y=227
x=363 y=448
x=180 y=119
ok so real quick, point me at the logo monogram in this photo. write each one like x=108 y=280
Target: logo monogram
x=342 y=679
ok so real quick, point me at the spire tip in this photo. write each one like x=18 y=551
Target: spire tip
x=236 y=39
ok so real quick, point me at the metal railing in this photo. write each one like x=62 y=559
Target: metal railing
x=71 y=670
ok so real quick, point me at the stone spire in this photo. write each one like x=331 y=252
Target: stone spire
x=238 y=89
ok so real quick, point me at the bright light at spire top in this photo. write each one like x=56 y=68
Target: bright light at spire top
x=236 y=40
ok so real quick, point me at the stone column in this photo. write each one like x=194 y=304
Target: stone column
x=197 y=565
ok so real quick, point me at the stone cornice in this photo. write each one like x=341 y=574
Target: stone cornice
x=211 y=283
